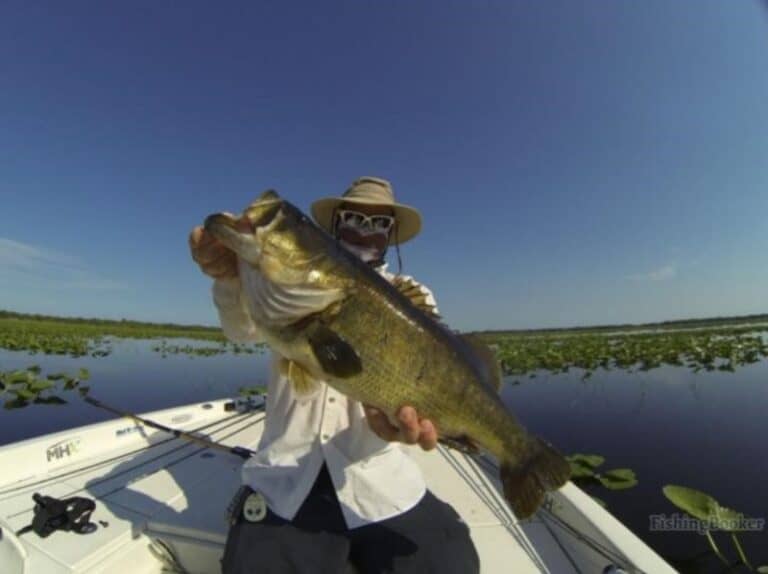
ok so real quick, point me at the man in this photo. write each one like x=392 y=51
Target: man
x=329 y=484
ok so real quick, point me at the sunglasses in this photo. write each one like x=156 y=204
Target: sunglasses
x=382 y=223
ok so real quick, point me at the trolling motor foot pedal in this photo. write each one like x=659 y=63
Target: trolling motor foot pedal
x=69 y=514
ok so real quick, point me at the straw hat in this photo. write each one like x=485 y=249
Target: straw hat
x=370 y=191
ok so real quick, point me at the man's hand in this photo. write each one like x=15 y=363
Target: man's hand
x=410 y=429
x=211 y=255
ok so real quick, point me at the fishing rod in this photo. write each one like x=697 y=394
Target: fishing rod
x=74 y=514
x=240 y=451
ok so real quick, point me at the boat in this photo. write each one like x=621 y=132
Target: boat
x=160 y=501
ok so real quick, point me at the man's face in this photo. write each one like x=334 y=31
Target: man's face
x=367 y=237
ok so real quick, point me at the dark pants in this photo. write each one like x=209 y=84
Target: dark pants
x=428 y=538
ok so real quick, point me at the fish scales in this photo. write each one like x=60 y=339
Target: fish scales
x=370 y=342
x=421 y=376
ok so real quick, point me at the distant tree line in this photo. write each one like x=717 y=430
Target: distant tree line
x=678 y=323
x=105 y=322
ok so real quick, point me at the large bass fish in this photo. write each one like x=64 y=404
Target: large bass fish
x=362 y=336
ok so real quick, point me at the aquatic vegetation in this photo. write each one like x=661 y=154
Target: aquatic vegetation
x=93 y=337
x=27 y=386
x=702 y=349
x=712 y=516
x=584 y=474
x=49 y=339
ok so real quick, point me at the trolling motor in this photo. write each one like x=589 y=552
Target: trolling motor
x=69 y=514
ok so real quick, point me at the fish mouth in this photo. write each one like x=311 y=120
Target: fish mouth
x=223 y=227
x=240 y=233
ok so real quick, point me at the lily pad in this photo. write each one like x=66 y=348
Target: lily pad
x=618 y=479
x=19 y=376
x=587 y=460
x=40 y=385
x=580 y=471
x=24 y=394
x=702 y=506
x=15 y=404
x=696 y=503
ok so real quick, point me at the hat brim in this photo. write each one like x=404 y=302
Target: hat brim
x=408 y=218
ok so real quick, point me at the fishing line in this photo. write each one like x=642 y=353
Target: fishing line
x=127 y=470
x=464 y=475
x=618 y=559
x=512 y=523
x=595 y=545
x=486 y=481
x=493 y=505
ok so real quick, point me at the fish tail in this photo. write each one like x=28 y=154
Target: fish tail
x=525 y=481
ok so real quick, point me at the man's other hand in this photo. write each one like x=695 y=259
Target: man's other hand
x=410 y=429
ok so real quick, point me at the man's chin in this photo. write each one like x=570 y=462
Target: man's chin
x=367 y=254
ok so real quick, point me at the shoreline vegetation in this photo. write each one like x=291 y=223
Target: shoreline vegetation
x=171 y=329
x=711 y=344
x=677 y=324
x=79 y=337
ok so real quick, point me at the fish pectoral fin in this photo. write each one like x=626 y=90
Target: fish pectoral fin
x=337 y=357
x=301 y=380
x=462 y=443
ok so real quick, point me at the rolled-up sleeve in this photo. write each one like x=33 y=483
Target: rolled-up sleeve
x=234 y=317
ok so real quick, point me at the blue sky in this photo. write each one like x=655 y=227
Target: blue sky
x=575 y=162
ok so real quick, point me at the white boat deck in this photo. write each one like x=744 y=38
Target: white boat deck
x=154 y=491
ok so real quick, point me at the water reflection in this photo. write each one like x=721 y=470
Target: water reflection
x=703 y=430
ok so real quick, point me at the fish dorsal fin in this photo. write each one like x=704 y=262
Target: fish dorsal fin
x=414 y=293
x=488 y=358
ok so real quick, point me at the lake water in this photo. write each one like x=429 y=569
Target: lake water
x=671 y=426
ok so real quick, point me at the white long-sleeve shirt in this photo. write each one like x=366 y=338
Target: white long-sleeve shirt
x=374 y=479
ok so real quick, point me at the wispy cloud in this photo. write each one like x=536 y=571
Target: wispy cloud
x=23 y=264
x=661 y=274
